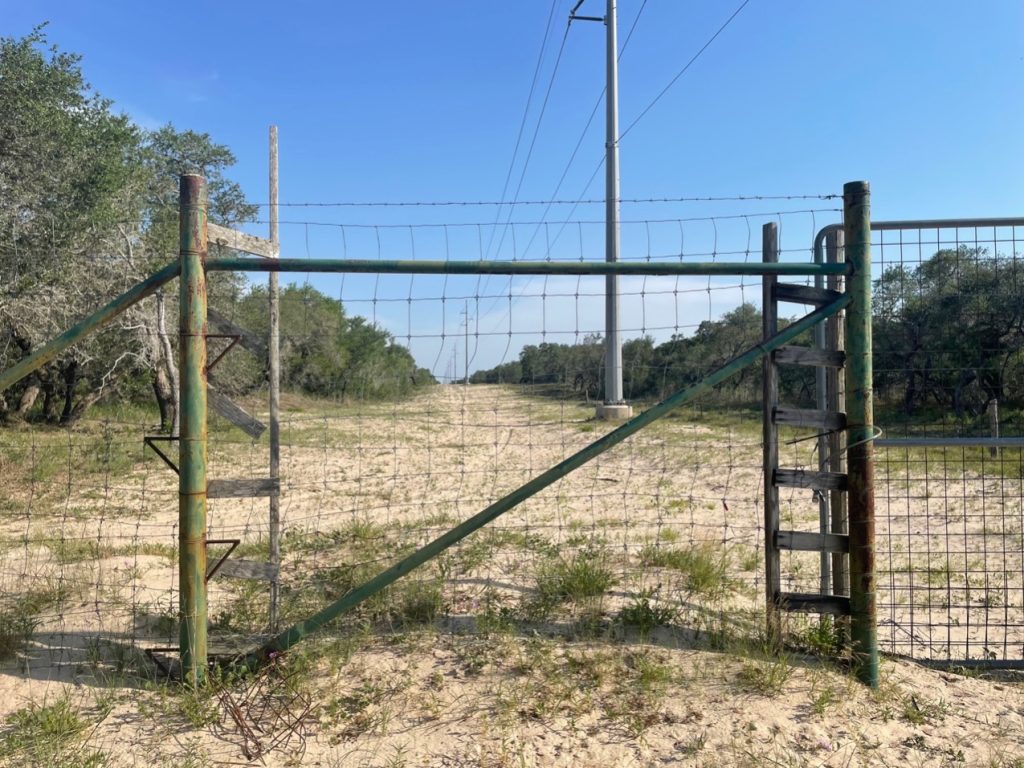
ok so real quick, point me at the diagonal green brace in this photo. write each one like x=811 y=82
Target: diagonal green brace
x=302 y=629
x=94 y=322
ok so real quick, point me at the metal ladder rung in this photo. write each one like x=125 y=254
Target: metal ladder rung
x=818 y=481
x=810 y=417
x=819 y=358
x=796 y=602
x=805 y=541
x=805 y=294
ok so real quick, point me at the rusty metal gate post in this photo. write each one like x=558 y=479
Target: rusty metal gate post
x=192 y=447
x=860 y=431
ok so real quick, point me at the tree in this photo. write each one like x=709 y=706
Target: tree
x=66 y=162
x=88 y=207
x=950 y=332
x=325 y=352
x=166 y=154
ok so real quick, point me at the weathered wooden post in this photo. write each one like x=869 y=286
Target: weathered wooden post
x=770 y=439
x=836 y=445
x=192 y=448
x=274 y=359
x=860 y=431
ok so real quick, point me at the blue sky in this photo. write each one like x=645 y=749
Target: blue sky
x=406 y=101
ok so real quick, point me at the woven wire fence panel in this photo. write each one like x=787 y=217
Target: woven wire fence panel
x=672 y=516
x=948 y=359
x=389 y=450
x=391 y=457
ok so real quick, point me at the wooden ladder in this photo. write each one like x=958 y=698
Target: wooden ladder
x=230 y=488
x=829 y=481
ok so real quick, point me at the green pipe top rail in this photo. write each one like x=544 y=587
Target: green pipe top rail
x=903 y=224
x=645 y=268
x=408 y=267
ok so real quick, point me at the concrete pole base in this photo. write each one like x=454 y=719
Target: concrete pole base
x=616 y=412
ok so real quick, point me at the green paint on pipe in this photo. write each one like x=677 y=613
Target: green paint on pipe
x=146 y=288
x=94 y=322
x=192 y=442
x=302 y=629
x=860 y=434
x=640 y=268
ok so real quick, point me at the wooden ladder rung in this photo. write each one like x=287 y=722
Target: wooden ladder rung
x=803 y=478
x=245 y=488
x=805 y=294
x=247 y=339
x=795 y=602
x=228 y=409
x=805 y=541
x=809 y=417
x=248 y=569
x=823 y=358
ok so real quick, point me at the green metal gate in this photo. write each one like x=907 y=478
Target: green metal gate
x=193 y=266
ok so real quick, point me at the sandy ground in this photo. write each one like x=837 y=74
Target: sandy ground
x=551 y=693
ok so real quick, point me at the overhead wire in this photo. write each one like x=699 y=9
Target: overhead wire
x=586 y=128
x=651 y=105
x=533 y=139
x=526 y=112
x=682 y=72
x=583 y=134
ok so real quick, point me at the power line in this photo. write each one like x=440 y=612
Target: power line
x=590 y=119
x=526 y=112
x=536 y=132
x=681 y=72
x=655 y=101
x=583 y=134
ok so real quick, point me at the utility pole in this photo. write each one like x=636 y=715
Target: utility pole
x=614 y=407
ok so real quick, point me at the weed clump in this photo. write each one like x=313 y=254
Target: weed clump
x=704 y=566
x=49 y=735
x=584 y=574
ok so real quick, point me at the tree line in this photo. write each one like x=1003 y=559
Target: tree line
x=88 y=207
x=948 y=337
x=652 y=371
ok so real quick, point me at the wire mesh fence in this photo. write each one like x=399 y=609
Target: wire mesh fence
x=949 y=490
x=377 y=458
x=659 y=538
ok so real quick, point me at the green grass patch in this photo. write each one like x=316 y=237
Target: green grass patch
x=586 y=573
x=49 y=735
x=20 y=616
x=766 y=677
x=68 y=551
x=645 y=613
x=704 y=566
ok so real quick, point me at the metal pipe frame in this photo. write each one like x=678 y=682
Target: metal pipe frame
x=896 y=224
x=523 y=267
x=192 y=442
x=193 y=266
x=950 y=442
x=150 y=285
x=860 y=433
